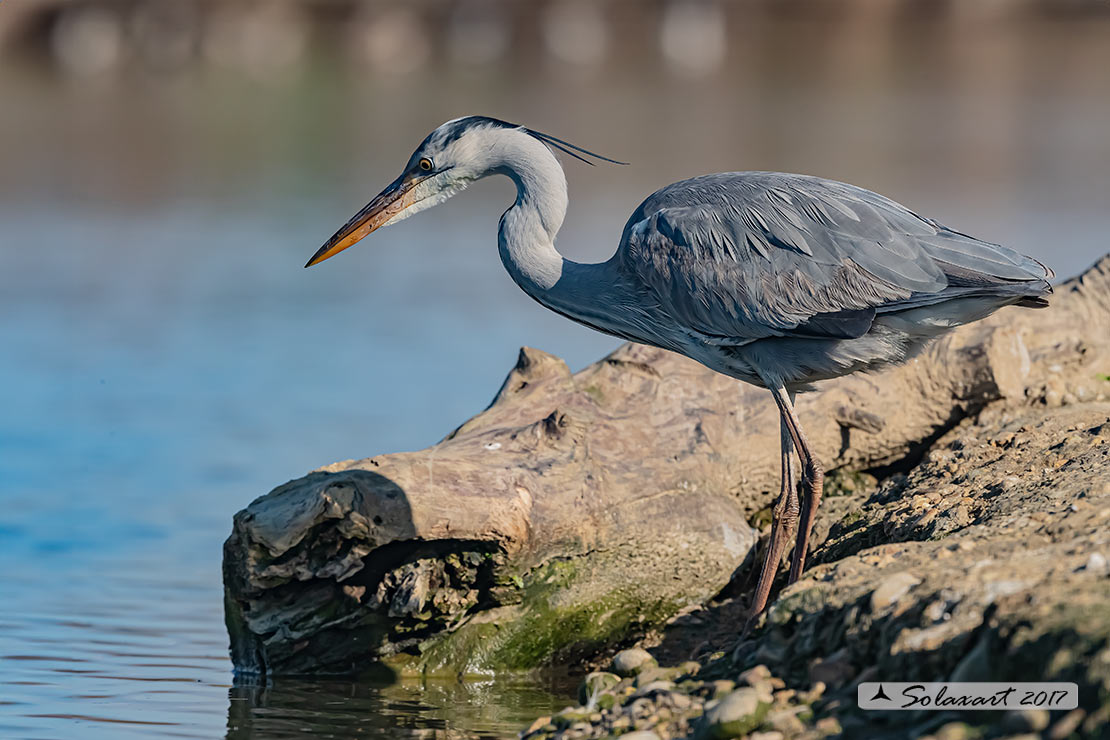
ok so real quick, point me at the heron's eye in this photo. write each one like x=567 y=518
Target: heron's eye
x=425 y=164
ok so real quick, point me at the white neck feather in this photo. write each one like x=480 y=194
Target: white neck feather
x=526 y=235
x=588 y=293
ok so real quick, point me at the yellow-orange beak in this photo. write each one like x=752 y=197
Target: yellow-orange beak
x=387 y=204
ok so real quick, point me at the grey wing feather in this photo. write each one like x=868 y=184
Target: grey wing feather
x=750 y=255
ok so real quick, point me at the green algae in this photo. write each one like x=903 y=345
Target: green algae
x=555 y=620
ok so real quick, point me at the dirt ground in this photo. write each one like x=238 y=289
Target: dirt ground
x=986 y=561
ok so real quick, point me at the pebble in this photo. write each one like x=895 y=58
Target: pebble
x=937 y=610
x=786 y=721
x=632 y=661
x=892 y=588
x=955 y=731
x=1025 y=720
x=651 y=673
x=925 y=518
x=622 y=722
x=961 y=516
x=818 y=688
x=539 y=723
x=754 y=675
x=734 y=715
x=1096 y=564
x=594 y=684
x=690 y=668
x=720 y=688
x=655 y=687
x=1066 y=725
x=834 y=670
x=641 y=735
x=760 y=679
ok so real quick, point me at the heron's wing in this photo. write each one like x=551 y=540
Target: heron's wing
x=750 y=255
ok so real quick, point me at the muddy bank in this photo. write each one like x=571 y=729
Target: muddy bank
x=987 y=562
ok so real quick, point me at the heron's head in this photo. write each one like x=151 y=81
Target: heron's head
x=449 y=159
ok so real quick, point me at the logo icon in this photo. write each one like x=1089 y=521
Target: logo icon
x=880 y=694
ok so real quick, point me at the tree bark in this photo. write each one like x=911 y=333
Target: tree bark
x=580 y=508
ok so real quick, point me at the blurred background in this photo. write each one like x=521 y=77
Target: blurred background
x=167 y=167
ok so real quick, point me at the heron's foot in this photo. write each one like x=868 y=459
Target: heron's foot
x=813 y=481
x=749 y=624
x=785 y=519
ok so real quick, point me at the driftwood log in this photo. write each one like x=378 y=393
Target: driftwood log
x=580 y=508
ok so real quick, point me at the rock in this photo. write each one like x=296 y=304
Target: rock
x=754 y=675
x=538 y=724
x=654 y=687
x=828 y=726
x=733 y=715
x=834 y=670
x=621 y=723
x=690 y=668
x=1096 y=564
x=640 y=735
x=976 y=665
x=1025 y=720
x=816 y=691
x=786 y=721
x=594 y=684
x=784 y=696
x=649 y=673
x=717 y=689
x=570 y=716
x=891 y=589
x=1066 y=725
x=632 y=661
x=955 y=731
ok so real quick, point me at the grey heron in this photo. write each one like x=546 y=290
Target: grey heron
x=775 y=279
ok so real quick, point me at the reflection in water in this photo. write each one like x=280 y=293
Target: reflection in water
x=166 y=359
x=111 y=656
x=429 y=709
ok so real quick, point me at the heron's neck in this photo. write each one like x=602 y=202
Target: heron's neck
x=526 y=237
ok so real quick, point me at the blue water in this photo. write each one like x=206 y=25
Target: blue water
x=160 y=371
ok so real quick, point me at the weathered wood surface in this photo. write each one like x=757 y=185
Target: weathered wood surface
x=578 y=506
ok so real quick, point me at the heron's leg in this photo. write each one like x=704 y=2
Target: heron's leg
x=784 y=518
x=813 y=480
